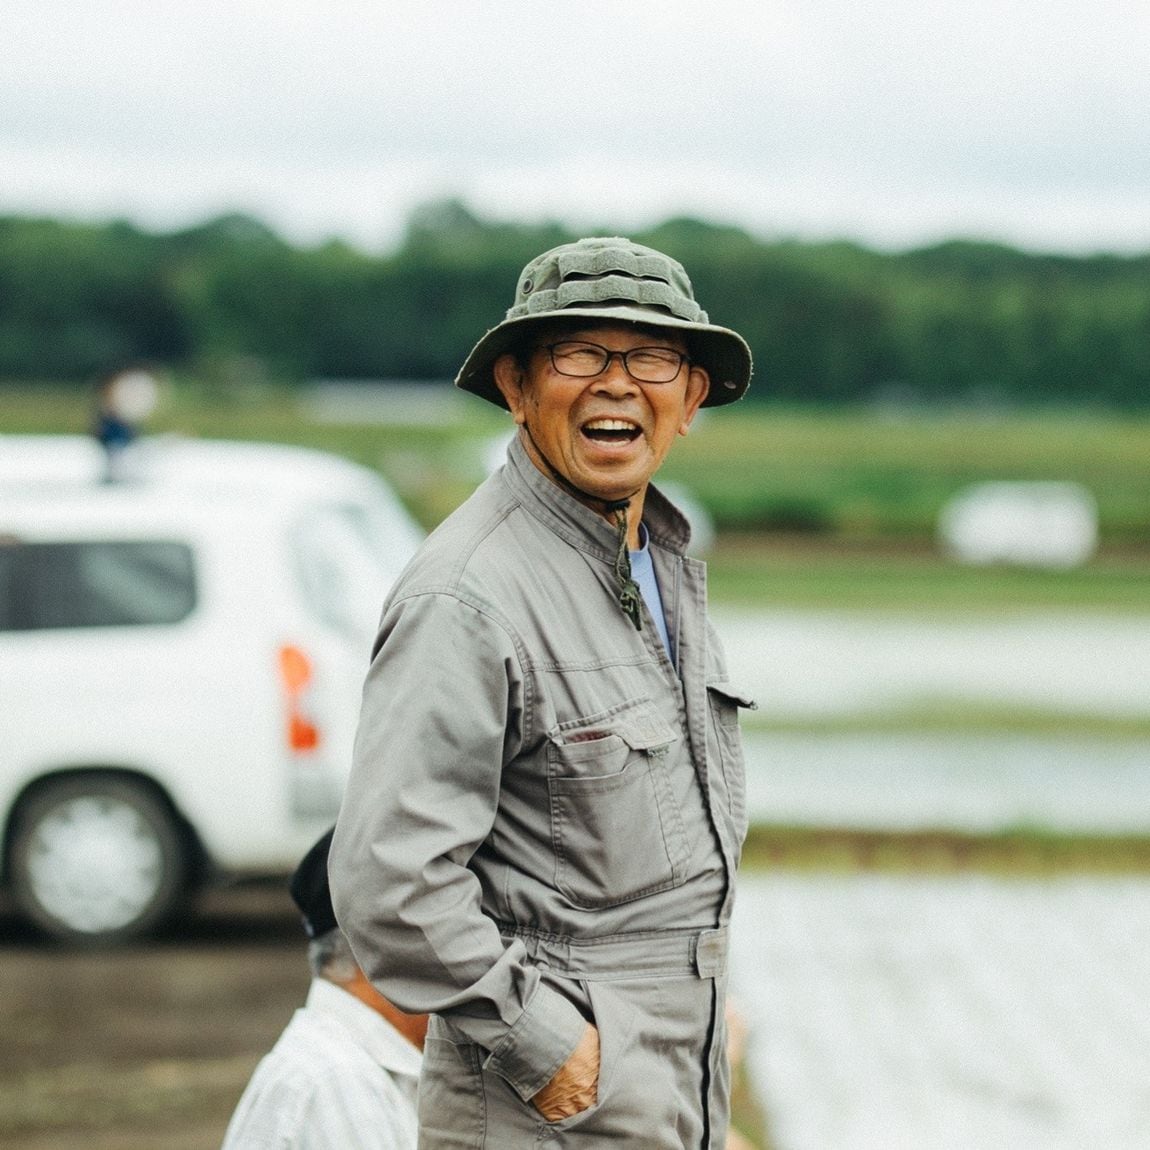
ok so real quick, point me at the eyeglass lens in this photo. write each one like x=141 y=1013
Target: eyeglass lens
x=646 y=364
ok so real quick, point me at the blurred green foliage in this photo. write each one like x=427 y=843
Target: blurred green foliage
x=860 y=472
x=814 y=507
x=229 y=300
x=917 y=578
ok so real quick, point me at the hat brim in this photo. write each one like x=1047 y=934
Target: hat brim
x=721 y=352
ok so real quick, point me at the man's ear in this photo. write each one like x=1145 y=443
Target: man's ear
x=698 y=386
x=509 y=378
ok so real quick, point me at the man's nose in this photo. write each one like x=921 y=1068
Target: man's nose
x=615 y=374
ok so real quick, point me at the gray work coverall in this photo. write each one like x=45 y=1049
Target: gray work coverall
x=543 y=822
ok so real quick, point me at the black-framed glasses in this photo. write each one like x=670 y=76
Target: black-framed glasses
x=584 y=360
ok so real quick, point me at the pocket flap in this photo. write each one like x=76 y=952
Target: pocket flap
x=638 y=723
x=645 y=730
x=733 y=696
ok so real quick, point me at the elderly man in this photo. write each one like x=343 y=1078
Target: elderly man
x=539 y=837
x=345 y=1071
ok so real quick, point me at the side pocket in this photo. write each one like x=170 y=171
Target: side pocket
x=452 y=1106
x=614 y=1017
x=724 y=703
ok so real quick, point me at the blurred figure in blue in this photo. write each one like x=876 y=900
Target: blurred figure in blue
x=344 y=1072
x=125 y=398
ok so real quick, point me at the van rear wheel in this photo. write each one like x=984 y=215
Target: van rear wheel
x=97 y=860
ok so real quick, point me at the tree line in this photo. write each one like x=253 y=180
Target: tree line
x=960 y=322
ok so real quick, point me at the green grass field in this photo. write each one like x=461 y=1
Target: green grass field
x=861 y=473
x=1011 y=852
x=831 y=509
x=913 y=576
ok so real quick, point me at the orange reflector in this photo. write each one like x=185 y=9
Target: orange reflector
x=295 y=669
x=302 y=735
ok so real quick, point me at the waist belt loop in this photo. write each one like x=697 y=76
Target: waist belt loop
x=711 y=953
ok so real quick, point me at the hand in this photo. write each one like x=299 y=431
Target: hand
x=576 y=1083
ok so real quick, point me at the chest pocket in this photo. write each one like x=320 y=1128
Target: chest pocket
x=615 y=826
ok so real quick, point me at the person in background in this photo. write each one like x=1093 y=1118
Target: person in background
x=344 y=1073
x=124 y=400
x=546 y=807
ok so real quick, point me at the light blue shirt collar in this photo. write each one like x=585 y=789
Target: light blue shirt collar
x=643 y=572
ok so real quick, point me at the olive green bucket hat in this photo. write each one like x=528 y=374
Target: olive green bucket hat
x=611 y=278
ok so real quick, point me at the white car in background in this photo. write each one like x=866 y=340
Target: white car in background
x=181 y=658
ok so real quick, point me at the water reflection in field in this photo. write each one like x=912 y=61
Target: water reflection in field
x=1082 y=674
x=973 y=783
x=827 y=663
x=947 y=1012
x=959 y=1010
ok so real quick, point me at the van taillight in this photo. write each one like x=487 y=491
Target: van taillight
x=303 y=735
x=295 y=677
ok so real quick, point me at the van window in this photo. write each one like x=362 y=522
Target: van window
x=340 y=573
x=102 y=583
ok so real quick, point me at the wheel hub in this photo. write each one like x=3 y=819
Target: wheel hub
x=95 y=864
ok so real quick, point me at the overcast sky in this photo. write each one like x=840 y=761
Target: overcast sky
x=896 y=123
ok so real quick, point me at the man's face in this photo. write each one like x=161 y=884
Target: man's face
x=607 y=434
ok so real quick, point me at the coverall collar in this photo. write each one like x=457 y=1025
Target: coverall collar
x=577 y=523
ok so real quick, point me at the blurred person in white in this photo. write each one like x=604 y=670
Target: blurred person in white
x=344 y=1072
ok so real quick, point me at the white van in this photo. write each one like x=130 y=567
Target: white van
x=181 y=658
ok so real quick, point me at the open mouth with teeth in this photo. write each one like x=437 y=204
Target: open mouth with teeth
x=611 y=431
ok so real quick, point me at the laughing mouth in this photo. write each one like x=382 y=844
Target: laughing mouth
x=611 y=430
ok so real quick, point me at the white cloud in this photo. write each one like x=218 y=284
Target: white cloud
x=891 y=124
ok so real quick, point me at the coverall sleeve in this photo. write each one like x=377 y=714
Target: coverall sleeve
x=443 y=710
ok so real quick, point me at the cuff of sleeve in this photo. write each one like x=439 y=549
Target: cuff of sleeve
x=542 y=1039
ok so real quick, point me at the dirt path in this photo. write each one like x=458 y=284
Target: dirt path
x=149 y=1046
